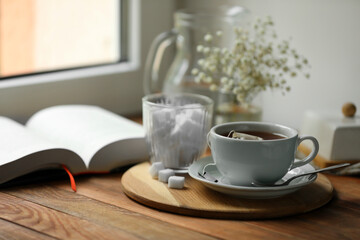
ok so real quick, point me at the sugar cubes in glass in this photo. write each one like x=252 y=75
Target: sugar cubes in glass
x=176 y=127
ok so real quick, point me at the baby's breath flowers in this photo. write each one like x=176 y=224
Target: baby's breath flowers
x=253 y=64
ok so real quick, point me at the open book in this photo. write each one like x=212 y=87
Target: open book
x=83 y=138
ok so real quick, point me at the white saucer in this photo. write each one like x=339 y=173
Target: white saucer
x=251 y=192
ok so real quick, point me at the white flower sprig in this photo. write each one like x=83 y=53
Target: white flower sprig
x=252 y=65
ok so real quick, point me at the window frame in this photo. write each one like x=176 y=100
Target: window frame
x=128 y=62
x=22 y=96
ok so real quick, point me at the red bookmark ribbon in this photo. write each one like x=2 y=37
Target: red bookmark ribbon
x=72 y=180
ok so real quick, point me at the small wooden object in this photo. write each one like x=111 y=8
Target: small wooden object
x=197 y=200
x=349 y=109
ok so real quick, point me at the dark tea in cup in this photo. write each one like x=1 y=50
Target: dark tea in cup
x=259 y=134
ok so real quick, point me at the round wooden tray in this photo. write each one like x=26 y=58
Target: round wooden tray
x=197 y=200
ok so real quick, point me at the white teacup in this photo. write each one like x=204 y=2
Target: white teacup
x=244 y=162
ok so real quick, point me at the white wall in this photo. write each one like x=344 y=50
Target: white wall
x=327 y=32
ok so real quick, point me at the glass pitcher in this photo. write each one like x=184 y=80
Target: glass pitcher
x=190 y=28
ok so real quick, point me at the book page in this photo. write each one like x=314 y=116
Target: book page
x=83 y=129
x=22 y=152
x=16 y=142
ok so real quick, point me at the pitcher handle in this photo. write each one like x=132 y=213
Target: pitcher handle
x=153 y=60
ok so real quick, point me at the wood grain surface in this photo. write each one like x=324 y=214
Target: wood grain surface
x=52 y=210
x=197 y=200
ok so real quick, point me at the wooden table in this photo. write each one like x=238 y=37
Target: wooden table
x=100 y=210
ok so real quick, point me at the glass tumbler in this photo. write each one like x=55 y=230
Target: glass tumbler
x=176 y=127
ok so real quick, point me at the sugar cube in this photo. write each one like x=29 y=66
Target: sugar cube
x=155 y=168
x=165 y=174
x=176 y=182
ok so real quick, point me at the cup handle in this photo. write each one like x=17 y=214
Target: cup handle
x=309 y=157
x=208 y=176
